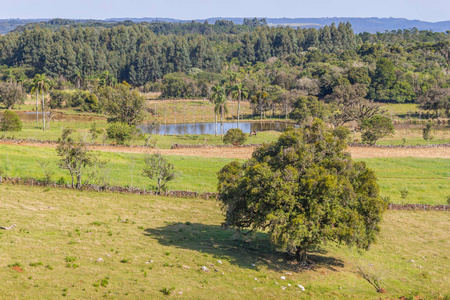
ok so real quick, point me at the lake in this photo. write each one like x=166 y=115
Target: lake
x=208 y=128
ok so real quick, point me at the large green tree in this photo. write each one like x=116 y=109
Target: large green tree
x=304 y=190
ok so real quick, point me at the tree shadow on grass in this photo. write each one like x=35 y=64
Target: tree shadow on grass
x=227 y=244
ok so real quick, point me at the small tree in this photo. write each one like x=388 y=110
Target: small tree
x=95 y=132
x=77 y=159
x=375 y=128
x=304 y=190
x=158 y=169
x=9 y=121
x=11 y=93
x=124 y=104
x=426 y=133
x=235 y=136
x=120 y=132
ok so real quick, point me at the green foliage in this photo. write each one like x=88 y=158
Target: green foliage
x=120 y=132
x=167 y=291
x=305 y=191
x=9 y=121
x=426 y=132
x=91 y=104
x=158 y=169
x=124 y=104
x=342 y=133
x=77 y=159
x=309 y=107
x=95 y=131
x=11 y=93
x=235 y=136
x=375 y=128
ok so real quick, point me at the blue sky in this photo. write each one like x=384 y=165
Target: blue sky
x=432 y=10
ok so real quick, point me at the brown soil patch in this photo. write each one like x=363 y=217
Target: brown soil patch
x=367 y=152
x=246 y=153
x=16 y=268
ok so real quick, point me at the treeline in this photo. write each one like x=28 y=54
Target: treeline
x=276 y=66
x=137 y=55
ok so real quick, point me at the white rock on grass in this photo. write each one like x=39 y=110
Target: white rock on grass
x=219 y=262
x=282 y=277
x=301 y=287
x=205 y=269
x=100 y=260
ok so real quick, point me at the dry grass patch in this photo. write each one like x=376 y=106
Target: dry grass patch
x=154 y=246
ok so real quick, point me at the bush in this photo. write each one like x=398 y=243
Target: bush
x=235 y=136
x=342 y=133
x=375 y=128
x=9 y=121
x=120 y=132
x=91 y=104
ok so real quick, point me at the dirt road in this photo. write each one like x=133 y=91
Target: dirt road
x=245 y=153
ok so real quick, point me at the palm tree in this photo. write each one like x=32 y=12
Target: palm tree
x=36 y=88
x=41 y=84
x=221 y=102
x=238 y=91
x=217 y=90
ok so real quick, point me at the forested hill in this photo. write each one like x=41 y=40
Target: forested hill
x=371 y=25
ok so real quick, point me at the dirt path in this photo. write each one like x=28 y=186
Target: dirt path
x=245 y=153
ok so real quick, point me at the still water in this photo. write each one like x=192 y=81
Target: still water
x=208 y=128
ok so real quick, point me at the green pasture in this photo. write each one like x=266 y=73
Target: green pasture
x=102 y=245
x=426 y=180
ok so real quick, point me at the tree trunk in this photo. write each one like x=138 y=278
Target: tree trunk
x=300 y=255
x=79 y=182
x=43 y=111
x=215 y=124
x=37 y=109
x=239 y=108
x=221 y=122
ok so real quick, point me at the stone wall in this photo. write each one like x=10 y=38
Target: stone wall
x=185 y=194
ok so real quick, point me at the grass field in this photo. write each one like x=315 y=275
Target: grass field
x=426 y=180
x=153 y=246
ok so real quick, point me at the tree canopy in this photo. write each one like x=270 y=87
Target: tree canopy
x=305 y=190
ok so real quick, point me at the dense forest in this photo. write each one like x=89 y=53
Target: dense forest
x=274 y=64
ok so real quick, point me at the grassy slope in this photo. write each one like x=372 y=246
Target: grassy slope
x=425 y=179
x=55 y=224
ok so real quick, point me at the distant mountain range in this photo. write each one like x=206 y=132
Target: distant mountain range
x=371 y=25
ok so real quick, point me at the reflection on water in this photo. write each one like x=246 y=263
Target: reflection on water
x=208 y=128
x=57 y=116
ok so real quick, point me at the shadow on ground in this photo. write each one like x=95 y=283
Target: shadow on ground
x=228 y=244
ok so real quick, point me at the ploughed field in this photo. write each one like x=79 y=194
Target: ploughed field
x=91 y=245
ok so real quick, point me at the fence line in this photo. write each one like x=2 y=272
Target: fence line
x=182 y=194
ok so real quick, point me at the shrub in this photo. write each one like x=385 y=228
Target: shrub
x=9 y=121
x=120 y=132
x=235 y=136
x=375 y=128
x=91 y=104
x=342 y=133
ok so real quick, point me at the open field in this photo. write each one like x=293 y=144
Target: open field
x=426 y=179
x=150 y=245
